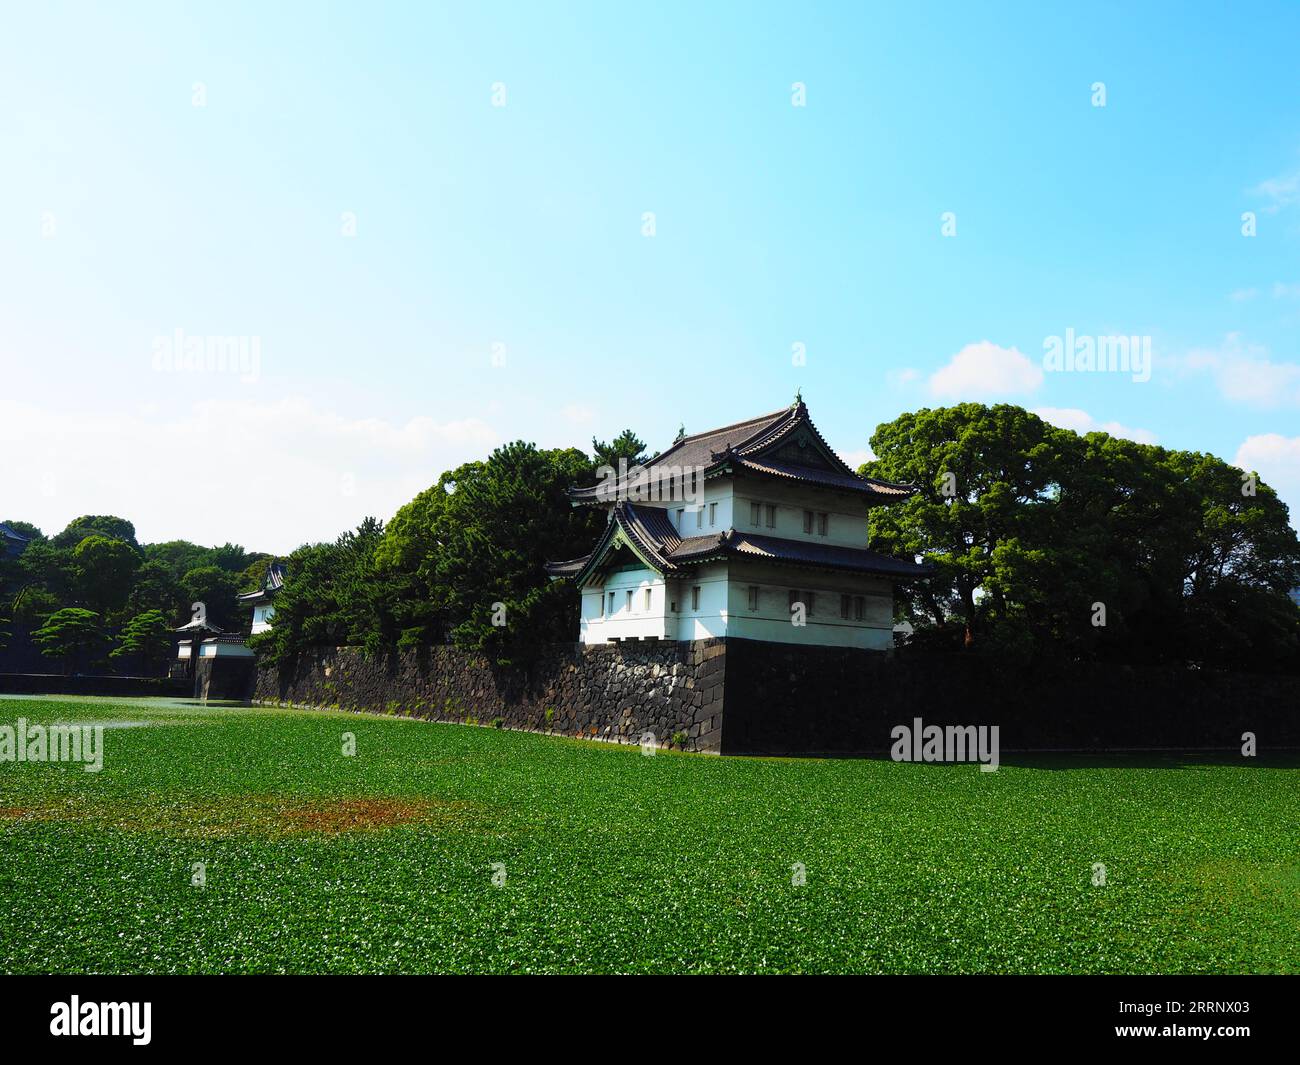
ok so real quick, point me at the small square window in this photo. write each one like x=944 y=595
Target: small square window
x=695 y=597
x=753 y=597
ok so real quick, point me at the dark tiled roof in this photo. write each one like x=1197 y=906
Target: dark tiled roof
x=570 y=568
x=829 y=478
x=827 y=556
x=10 y=533
x=271 y=583
x=748 y=446
x=651 y=532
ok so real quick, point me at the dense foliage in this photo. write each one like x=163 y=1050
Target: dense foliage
x=72 y=635
x=96 y=565
x=462 y=562
x=1048 y=542
x=1044 y=542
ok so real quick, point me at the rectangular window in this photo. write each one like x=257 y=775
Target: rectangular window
x=699 y=517
x=844 y=606
x=859 y=608
x=753 y=597
x=823 y=524
x=611 y=602
x=808 y=600
x=713 y=514
x=808 y=522
x=695 y=598
x=647 y=600
x=795 y=600
x=674 y=606
x=629 y=600
x=755 y=514
x=771 y=515
x=681 y=513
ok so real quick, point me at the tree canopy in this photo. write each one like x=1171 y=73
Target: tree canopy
x=1049 y=542
x=72 y=634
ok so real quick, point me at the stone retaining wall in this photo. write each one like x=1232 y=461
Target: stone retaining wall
x=613 y=692
x=785 y=699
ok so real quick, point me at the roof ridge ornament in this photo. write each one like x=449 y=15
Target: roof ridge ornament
x=681 y=433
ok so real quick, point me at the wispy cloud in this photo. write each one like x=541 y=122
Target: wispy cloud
x=1245 y=373
x=1083 y=422
x=1281 y=191
x=270 y=475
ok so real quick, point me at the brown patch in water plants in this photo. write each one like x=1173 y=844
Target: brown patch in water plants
x=351 y=815
x=257 y=815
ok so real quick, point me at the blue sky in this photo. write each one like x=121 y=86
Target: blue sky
x=181 y=167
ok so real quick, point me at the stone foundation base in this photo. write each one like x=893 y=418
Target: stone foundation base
x=733 y=696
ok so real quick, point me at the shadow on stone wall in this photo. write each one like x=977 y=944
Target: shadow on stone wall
x=786 y=699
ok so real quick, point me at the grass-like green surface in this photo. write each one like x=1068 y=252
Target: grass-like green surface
x=613 y=861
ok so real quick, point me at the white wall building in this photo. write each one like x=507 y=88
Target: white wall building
x=760 y=533
x=263 y=600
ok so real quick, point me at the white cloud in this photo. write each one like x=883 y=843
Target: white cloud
x=985 y=370
x=1277 y=460
x=1242 y=295
x=1281 y=191
x=1246 y=373
x=857 y=458
x=1283 y=290
x=268 y=475
x=1083 y=422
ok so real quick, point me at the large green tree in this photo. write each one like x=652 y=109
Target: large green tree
x=157 y=588
x=215 y=589
x=95 y=525
x=1054 y=543
x=332 y=597
x=627 y=445
x=147 y=637
x=105 y=569
x=986 y=478
x=463 y=561
x=73 y=635
x=500 y=523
